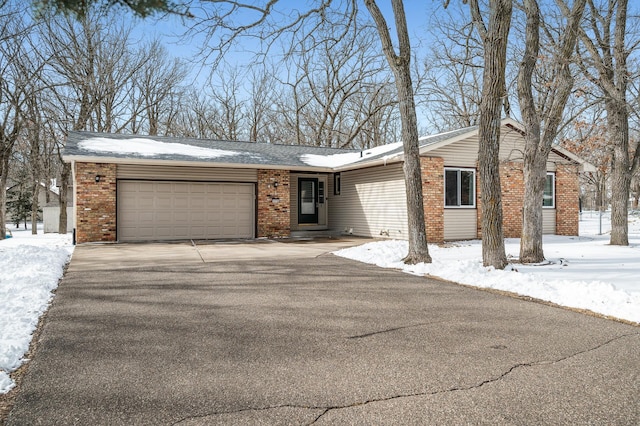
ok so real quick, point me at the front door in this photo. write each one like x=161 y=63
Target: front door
x=307 y=200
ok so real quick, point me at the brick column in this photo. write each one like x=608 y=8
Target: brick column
x=432 y=169
x=96 y=202
x=567 y=199
x=274 y=203
x=512 y=184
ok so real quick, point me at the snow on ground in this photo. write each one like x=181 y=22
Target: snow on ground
x=582 y=272
x=30 y=268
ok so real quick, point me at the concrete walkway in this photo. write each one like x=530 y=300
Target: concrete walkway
x=283 y=333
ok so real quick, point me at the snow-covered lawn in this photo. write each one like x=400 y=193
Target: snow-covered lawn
x=30 y=268
x=582 y=272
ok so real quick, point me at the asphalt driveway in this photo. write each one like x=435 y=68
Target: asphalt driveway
x=285 y=333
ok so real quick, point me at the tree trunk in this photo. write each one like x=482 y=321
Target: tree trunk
x=418 y=249
x=533 y=168
x=34 y=207
x=618 y=116
x=493 y=84
x=64 y=179
x=620 y=173
x=531 y=250
x=400 y=65
x=537 y=142
x=4 y=170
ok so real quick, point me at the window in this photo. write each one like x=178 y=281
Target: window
x=549 y=196
x=459 y=188
x=336 y=183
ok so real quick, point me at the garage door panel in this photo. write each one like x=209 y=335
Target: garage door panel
x=197 y=217
x=197 y=202
x=150 y=210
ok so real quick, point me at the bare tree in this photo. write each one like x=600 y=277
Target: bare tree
x=494 y=39
x=336 y=75
x=603 y=54
x=259 y=104
x=292 y=104
x=229 y=106
x=375 y=114
x=13 y=94
x=400 y=63
x=157 y=82
x=453 y=87
x=589 y=140
x=543 y=118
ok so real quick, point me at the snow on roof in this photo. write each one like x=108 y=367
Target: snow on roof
x=150 y=147
x=337 y=160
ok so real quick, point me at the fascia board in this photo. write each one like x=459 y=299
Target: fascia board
x=152 y=162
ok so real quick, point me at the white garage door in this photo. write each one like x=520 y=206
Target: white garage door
x=150 y=210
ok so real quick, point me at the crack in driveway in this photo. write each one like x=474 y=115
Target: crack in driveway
x=327 y=409
x=388 y=330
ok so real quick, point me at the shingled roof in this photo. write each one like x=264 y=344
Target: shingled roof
x=82 y=146
x=137 y=149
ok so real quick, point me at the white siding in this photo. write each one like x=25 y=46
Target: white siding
x=463 y=153
x=549 y=221
x=460 y=224
x=372 y=203
x=51 y=218
x=199 y=174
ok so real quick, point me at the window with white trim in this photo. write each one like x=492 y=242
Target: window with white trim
x=459 y=187
x=549 y=196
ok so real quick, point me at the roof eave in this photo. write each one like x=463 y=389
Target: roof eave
x=585 y=166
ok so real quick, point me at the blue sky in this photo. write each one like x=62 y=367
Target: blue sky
x=168 y=29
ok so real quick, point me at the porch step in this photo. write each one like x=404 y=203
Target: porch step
x=315 y=233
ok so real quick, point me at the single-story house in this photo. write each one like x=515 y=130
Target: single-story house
x=148 y=188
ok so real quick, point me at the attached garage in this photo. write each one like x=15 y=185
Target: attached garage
x=149 y=210
x=179 y=203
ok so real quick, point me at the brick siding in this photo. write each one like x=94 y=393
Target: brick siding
x=567 y=200
x=96 y=202
x=432 y=169
x=512 y=184
x=274 y=203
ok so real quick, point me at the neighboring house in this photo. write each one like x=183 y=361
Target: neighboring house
x=147 y=188
x=47 y=194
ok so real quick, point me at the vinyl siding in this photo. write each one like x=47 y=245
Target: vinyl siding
x=549 y=221
x=372 y=203
x=195 y=174
x=464 y=153
x=460 y=224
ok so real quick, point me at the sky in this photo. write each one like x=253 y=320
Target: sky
x=170 y=29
